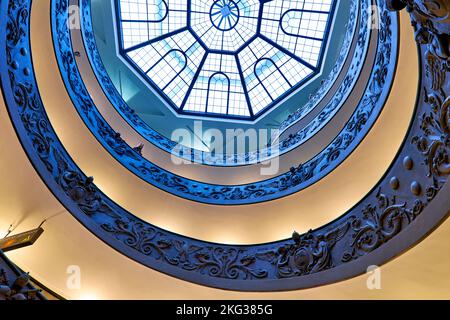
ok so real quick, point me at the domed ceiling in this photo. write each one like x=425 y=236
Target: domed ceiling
x=224 y=58
x=310 y=62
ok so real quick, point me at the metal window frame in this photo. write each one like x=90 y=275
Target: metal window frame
x=252 y=114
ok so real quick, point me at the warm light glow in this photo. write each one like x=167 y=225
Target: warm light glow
x=89 y=297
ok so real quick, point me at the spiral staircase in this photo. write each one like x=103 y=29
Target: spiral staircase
x=361 y=153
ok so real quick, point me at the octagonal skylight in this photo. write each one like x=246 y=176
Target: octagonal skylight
x=224 y=58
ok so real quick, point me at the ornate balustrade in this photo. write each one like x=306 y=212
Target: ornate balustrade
x=357 y=28
x=287 y=183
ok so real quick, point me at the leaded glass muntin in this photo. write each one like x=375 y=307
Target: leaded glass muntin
x=224 y=14
x=219 y=76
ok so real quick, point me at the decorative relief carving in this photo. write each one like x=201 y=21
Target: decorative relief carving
x=431 y=22
x=434 y=143
x=261 y=155
x=372 y=224
x=18 y=289
x=309 y=253
x=212 y=260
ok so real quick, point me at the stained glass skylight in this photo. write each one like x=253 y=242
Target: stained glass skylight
x=224 y=58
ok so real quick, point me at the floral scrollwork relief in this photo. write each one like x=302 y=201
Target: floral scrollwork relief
x=431 y=22
x=435 y=141
x=16 y=290
x=306 y=254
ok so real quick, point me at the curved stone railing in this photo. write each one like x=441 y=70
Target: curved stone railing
x=287 y=183
x=14 y=284
x=284 y=146
x=405 y=206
